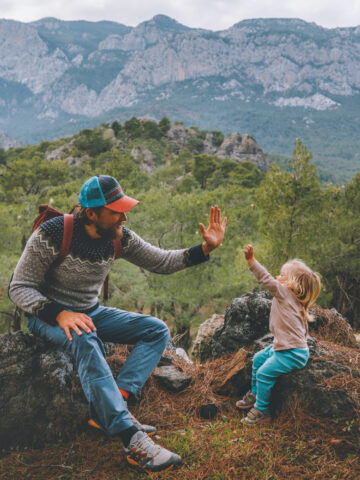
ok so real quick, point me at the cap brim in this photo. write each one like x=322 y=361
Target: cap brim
x=124 y=204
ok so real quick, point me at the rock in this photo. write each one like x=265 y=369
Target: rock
x=308 y=387
x=201 y=347
x=145 y=157
x=37 y=385
x=6 y=141
x=180 y=352
x=243 y=148
x=172 y=378
x=41 y=398
x=246 y=320
x=331 y=325
x=179 y=135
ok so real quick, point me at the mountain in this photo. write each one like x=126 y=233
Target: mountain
x=277 y=79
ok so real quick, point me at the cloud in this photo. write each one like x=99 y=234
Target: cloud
x=211 y=14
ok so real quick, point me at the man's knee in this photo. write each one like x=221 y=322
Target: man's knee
x=158 y=330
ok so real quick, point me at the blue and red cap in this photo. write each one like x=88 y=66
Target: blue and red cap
x=105 y=191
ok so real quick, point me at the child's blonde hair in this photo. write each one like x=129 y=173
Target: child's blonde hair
x=304 y=283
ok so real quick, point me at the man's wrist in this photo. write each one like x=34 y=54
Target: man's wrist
x=206 y=248
x=251 y=261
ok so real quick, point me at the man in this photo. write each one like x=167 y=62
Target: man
x=62 y=307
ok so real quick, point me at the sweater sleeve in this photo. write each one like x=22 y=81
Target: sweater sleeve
x=157 y=260
x=28 y=280
x=264 y=277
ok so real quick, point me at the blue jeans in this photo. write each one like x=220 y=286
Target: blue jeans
x=268 y=365
x=150 y=337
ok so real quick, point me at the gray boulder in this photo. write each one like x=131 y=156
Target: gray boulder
x=246 y=319
x=172 y=378
x=311 y=388
x=201 y=346
x=41 y=398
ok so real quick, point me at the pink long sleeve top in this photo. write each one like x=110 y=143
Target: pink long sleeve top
x=286 y=315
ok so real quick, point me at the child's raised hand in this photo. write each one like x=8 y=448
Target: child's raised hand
x=249 y=254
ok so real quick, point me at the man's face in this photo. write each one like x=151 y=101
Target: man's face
x=108 y=222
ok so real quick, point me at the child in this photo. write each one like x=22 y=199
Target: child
x=294 y=291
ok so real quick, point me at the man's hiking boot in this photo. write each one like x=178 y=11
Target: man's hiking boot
x=247 y=401
x=144 y=453
x=255 y=416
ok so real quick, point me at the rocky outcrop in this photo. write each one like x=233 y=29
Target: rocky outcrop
x=7 y=142
x=41 y=399
x=324 y=386
x=145 y=159
x=243 y=148
x=247 y=319
x=235 y=146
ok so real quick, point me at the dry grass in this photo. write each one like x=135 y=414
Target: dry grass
x=295 y=446
x=332 y=327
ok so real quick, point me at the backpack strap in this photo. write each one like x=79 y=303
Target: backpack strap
x=117 y=247
x=117 y=252
x=66 y=241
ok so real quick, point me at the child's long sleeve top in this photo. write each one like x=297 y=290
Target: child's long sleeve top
x=286 y=315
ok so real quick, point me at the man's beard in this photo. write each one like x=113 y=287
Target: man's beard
x=106 y=234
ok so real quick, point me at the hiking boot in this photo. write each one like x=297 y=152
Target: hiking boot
x=247 y=401
x=144 y=453
x=255 y=416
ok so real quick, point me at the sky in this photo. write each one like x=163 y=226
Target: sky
x=209 y=14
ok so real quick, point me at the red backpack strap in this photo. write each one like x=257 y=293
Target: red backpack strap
x=117 y=247
x=117 y=252
x=66 y=241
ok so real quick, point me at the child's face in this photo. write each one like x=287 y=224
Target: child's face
x=282 y=278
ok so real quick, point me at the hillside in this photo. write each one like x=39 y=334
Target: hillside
x=276 y=79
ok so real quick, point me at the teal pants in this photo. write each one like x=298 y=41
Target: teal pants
x=268 y=365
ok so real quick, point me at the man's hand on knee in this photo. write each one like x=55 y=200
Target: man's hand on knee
x=74 y=321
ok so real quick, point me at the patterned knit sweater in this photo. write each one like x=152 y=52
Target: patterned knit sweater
x=76 y=283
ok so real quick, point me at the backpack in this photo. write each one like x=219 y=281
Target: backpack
x=46 y=213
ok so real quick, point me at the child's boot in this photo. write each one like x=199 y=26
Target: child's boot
x=247 y=401
x=255 y=416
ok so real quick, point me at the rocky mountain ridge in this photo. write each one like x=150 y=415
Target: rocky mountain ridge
x=57 y=75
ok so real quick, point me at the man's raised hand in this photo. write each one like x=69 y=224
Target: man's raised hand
x=214 y=234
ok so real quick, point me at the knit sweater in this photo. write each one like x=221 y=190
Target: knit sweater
x=76 y=283
x=286 y=315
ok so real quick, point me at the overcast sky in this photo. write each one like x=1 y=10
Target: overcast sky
x=210 y=14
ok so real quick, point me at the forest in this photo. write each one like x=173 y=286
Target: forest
x=287 y=212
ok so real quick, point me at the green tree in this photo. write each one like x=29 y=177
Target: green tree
x=290 y=205
x=164 y=125
x=340 y=252
x=133 y=127
x=31 y=175
x=116 y=127
x=203 y=167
